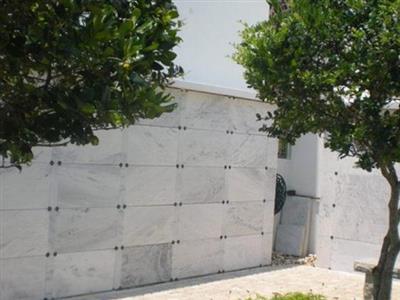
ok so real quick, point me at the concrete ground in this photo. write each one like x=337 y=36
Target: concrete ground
x=240 y=285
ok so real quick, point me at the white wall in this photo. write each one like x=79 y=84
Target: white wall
x=60 y=222
x=211 y=26
x=300 y=171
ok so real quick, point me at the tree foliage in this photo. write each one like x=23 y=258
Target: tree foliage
x=330 y=67
x=333 y=67
x=71 y=67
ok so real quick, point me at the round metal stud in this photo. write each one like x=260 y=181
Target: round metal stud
x=223 y=202
x=262 y=232
x=118 y=206
x=116 y=248
x=59 y=163
x=175 y=204
x=47 y=254
x=179 y=127
x=49 y=208
x=225 y=237
x=333 y=205
x=173 y=242
x=126 y=165
x=180 y=203
x=266 y=168
x=120 y=165
x=178 y=241
x=182 y=166
x=51 y=163
x=177 y=166
x=55 y=254
x=331 y=237
x=221 y=237
x=57 y=208
x=225 y=167
x=336 y=173
x=229 y=167
x=227 y=201
x=184 y=127
x=264 y=200
x=122 y=247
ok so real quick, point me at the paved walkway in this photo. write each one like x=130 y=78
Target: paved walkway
x=263 y=281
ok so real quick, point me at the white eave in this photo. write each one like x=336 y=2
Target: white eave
x=214 y=90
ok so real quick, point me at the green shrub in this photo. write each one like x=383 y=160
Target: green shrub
x=291 y=296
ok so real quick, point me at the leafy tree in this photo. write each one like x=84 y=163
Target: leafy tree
x=333 y=67
x=71 y=67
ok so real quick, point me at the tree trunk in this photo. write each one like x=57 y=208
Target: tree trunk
x=383 y=272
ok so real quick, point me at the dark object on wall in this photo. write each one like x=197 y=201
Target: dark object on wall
x=280 y=193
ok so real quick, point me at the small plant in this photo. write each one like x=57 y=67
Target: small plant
x=290 y=296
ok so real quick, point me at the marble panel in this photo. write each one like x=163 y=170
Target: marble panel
x=23 y=233
x=345 y=252
x=323 y=251
x=88 y=185
x=246 y=184
x=358 y=223
x=267 y=245
x=22 y=278
x=270 y=184
x=28 y=189
x=248 y=151
x=108 y=151
x=200 y=221
x=296 y=211
x=201 y=185
x=272 y=153
x=85 y=229
x=324 y=217
x=370 y=191
x=195 y=258
x=149 y=185
x=243 y=115
x=206 y=111
x=149 y=225
x=269 y=216
x=148 y=145
x=203 y=148
x=84 y=272
x=291 y=239
x=244 y=252
x=243 y=218
x=42 y=154
x=171 y=119
x=146 y=264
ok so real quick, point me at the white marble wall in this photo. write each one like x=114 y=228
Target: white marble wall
x=188 y=194
x=352 y=215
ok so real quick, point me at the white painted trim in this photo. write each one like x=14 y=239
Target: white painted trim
x=214 y=89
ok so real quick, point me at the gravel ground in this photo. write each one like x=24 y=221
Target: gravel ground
x=264 y=281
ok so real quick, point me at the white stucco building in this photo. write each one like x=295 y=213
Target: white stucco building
x=188 y=194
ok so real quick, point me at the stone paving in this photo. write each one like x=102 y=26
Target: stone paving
x=264 y=281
